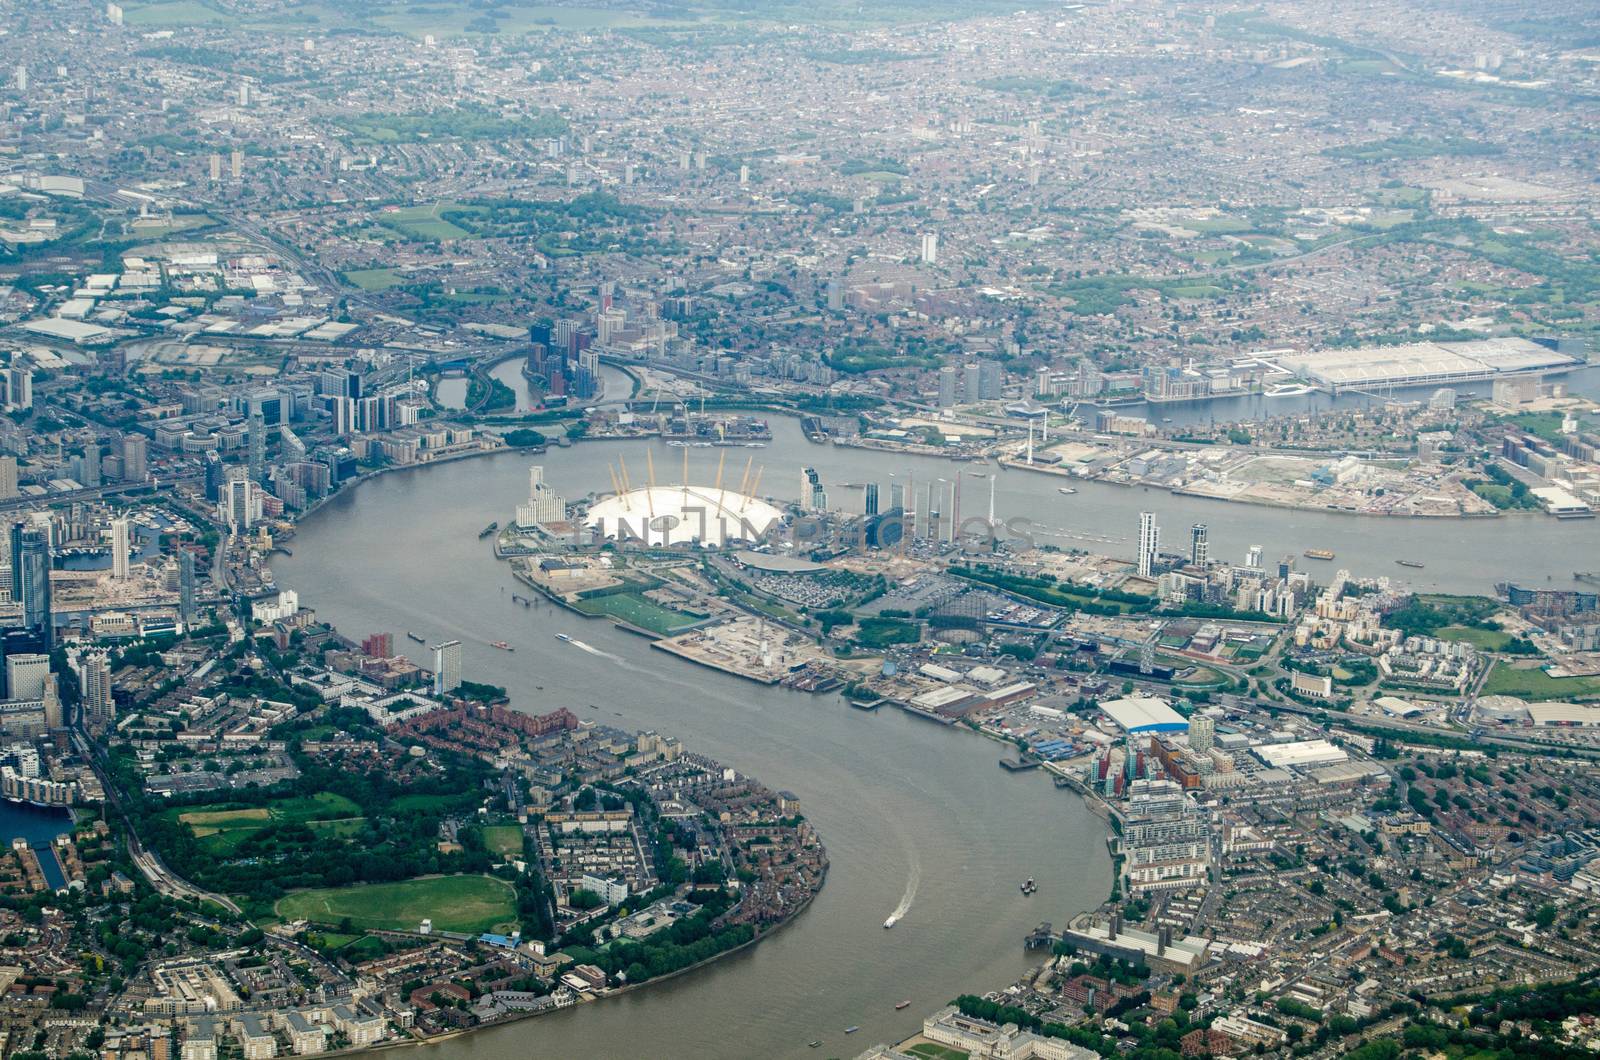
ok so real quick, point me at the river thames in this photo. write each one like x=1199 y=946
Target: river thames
x=908 y=810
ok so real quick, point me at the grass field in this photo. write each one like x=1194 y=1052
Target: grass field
x=637 y=611
x=1486 y=639
x=930 y=1051
x=1536 y=685
x=424 y=222
x=222 y=828
x=344 y=828
x=504 y=839
x=375 y=279
x=454 y=903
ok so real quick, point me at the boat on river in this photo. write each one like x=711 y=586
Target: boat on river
x=892 y=921
x=1319 y=553
x=1416 y=564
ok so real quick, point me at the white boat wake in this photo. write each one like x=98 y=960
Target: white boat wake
x=913 y=878
x=592 y=650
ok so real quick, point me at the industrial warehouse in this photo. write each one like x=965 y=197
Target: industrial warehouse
x=1421 y=363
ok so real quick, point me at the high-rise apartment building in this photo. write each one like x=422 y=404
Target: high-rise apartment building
x=186 y=588
x=99 y=710
x=446 y=667
x=1166 y=838
x=135 y=457
x=1149 y=544
x=544 y=505
x=120 y=535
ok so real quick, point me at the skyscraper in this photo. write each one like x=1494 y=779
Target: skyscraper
x=99 y=711
x=930 y=248
x=8 y=477
x=1198 y=546
x=186 y=606
x=1149 y=543
x=990 y=381
x=544 y=505
x=216 y=475
x=947 y=387
x=19 y=388
x=258 y=446
x=30 y=578
x=872 y=498
x=241 y=504
x=119 y=549
x=1202 y=733
x=135 y=457
x=813 y=497
x=446 y=667
x=86 y=468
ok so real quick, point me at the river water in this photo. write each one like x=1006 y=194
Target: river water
x=907 y=809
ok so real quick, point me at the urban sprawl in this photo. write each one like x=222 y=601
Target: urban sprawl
x=1341 y=260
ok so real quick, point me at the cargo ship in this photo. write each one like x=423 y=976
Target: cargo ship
x=1319 y=553
x=416 y=638
x=486 y=531
x=1410 y=563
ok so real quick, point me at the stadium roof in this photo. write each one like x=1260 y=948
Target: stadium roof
x=682 y=515
x=1144 y=714
x=1426 y=362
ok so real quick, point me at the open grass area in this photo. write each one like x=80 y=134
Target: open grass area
x=637 y=611
x=204 y=822
x=375 y=279
x=1486 y=639
x=1535 y=685
x=932 y=1051
x=426 y=221
x=221 y=827
x=174 y=12
x=344 y=828
x=454 y=903
x=504 y=839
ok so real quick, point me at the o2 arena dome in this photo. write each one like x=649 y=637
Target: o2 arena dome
x=708 y=516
